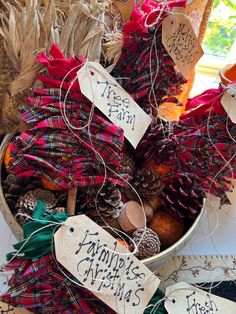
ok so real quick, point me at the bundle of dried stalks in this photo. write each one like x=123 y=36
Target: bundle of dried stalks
x=30 y=26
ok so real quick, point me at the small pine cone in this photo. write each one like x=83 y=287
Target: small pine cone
x=127 y=166
x=147 y=183
x=27 y=201
x=108 y=201
x=156 y=145
x=182 y=198
x=148 y=243
x=14 y=187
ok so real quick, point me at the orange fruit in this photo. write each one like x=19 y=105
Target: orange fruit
x=50 y=185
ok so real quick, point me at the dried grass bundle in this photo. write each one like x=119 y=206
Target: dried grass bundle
x=30 y=26
x=26 y=31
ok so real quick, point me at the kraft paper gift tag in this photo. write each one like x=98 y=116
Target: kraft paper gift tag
x=183 y=298
x=108 y=96
x=181 y=43
x=104 y=266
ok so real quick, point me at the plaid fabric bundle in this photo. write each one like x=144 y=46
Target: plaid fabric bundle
x=145 y=61
x=204 y=137
x=49 y=149
x=41 y=287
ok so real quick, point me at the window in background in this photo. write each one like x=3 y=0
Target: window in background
x=220 y=38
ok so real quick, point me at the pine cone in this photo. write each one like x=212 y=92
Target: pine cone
x=27 y=202
x=147 y=183
x=182 y=197
x=148 y=243
x=108 y=202
x=156 y=145
x=127 y=166
x=14 y=187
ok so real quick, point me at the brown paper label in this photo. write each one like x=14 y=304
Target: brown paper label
x=109 y=97
x=183 y=298
x=104 y=266
x=181 y=43
x=6 y=308
x=228 y=101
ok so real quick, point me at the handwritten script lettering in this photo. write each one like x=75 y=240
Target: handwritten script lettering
x=183 y=298
x=101 y=264
x=113 y=101
x=181 y=43
x=117 y=106
x=194 y=307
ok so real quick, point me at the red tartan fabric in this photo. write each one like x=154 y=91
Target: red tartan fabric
x=145 y=61
x=49 y=149
x=204 y=137
x=40 y=287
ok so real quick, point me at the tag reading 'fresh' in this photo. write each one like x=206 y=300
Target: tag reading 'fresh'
x=102 y=265
x=6 y=308
x=228 y=101
x=108 y=96
x=181 y=43
x=186 y=299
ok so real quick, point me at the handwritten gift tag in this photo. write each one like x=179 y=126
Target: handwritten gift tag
x=186 y=299
x=104 y=266
x=109 y=97
x=6 y=308
x=181 y=43
x=228 y=101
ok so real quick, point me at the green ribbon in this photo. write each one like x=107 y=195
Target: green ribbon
x=41 y=242
x=155 y=299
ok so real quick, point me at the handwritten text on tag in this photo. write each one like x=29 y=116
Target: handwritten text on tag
x=183 y=298
x=228 y=101
x=181 y=43
x=102 y=265
x=108 y=96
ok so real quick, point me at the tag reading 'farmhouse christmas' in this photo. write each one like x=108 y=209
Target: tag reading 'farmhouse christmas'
x=186 y=299
x=181 y=43
x=104 y=266
x=228 y=101
x=6 y=308
x=109 y=97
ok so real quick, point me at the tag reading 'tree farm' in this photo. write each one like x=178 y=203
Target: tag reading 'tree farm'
x=95 y=258
x=228 y=101
x=108 y=96
x=181 y=43
x=186 y=299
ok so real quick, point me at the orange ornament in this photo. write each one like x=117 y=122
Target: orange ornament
x=50 y=185
x=7 y=158
x=167 y=228
x=161 y=169
x=123 y=242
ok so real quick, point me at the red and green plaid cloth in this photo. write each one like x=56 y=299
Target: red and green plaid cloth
x=144 y=62
x=41 y=287
x=205 y=144
x=49 y=149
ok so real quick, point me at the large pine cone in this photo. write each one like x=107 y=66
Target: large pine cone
x=156 y=145
x=147 y=241
x=14 y=187
x=182 y=198
x=108 y=202
x=147 y=183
